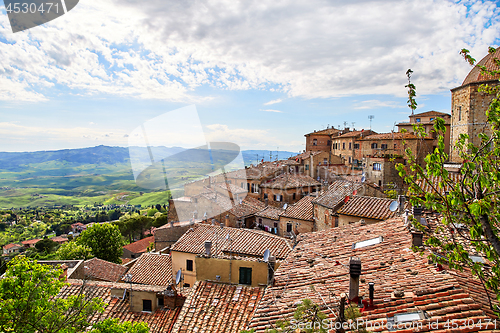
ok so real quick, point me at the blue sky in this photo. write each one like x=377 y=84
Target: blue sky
x=261 y=74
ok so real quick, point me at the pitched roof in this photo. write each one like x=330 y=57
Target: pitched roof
x=248 y=206
x=318 y=269
x=160 y=321
x=242 y=241
x=214 y=308
x=140 y=246
x=430 y=113
x=270 y=212
x=356 y=134
x=432 y=185
x=336 y=193
x=301 y=210
x=152 y=269
x=11 y=246
x=234 y=189
x=368 y=207
x=31 y=241
x=288 y=180
x=60 y=239
x=327 y=131
x=103 y=270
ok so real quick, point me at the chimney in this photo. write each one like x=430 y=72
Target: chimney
x=416 y=239
x=208 y=248
x=271 y=265
x=371 y=290
x=402 y=200
x=354 y=272
x=226 y=221
x=266 y=202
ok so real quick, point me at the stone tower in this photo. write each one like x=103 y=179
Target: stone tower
x=468 y=106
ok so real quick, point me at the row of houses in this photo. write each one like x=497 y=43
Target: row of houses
x=15 y=248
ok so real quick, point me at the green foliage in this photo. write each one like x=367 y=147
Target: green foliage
x=105 y=241
x=73 y=251
x=28 y=301
x=468 y=205
x=114 y=326
x=352 y=313
x=45 y=246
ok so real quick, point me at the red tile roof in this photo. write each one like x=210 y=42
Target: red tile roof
x=317 y=269
x=234 y=189
x=103 y=270
x=355 y=134
x=152 y=269
x=11 y=246
x=393 y=136
x=432 y=185
x=242 y=241
x=287 y=180
x=248 y=206
x=140 y=246
x=31 y=241
x=368 y=207
x=301 y=210
x=270 y=212
x=160 y=321
x=327 y=131
x=336 y=193
x=218 y=308
x=475 y=74
x=430 y=113
x=60 y=239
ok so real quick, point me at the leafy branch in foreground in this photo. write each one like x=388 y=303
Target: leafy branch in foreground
x=467 y=202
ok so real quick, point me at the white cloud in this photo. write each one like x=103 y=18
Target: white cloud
x=274 y=101
x=374 y=104
x=271 y=110
x=165 y=49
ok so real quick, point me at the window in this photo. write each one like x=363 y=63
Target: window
x=343 y=145
x=432 y=119
x=265 y=196
x=368 y=242
x=186 y=285
x=307 y=166
x=383 y=146
x=147 y=305
x=374 y=146
x=288 y=227
x=356 y=146
x=325 y=161
x=329 y=143
x=241 y=185
x=275 y=224
x=336 y=221
x=253 y=188
x=315 y=142
x=349 y=160
x=350 y=145
x=377 y=166
x=161 y=301
x=248 y=187
x=246 y=275
x=260 y=220
x=277 y=197
x=293 y=196
x=459 y=113
x=395 y=145
x=256 y=188
x=189 y=265
x=417 y=120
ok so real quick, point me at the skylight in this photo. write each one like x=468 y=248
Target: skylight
x=477 y=259
x=407 y=317
x=367 y=242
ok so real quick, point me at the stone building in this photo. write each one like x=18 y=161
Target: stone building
x=287 y=189
x=427 y=120
x=348 y=147
x=321 y=140
x=468 y=106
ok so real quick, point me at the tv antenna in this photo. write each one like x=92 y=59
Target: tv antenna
x=371 y=117
x=178 y=277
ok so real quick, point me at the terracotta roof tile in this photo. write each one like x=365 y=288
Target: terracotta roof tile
x=356 y=134
x=317 y=269
x=31 y=241
x=431 y=113
x=140 y=246
x=286 y=181
x=248 y=206
x=270 y=212
x=103 y=270
x=242 y=241
x=368 y=207
x=160 y=321
x=336 y=193
x=301 y=210
x=393 y=136
x=475 y=74
x=152 y=269
x=11 y=245
x=218 y=308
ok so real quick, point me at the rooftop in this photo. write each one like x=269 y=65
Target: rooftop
x=368 y=207
x=355 y=134
x=288 y=180
x=270 y=212
x=241 y=241
x=336 y=193
x=140 y=246
x=318 y=269
x=103 y=270
x=475 y=74
x=160 y=321
x=152 y=269
x=430 y=113
x=301 y=210
x=212 y=307
x=393 y=136
x=327 y=131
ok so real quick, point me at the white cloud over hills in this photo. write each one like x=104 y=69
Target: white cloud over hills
x=166 y=49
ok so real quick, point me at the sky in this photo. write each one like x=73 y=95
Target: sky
x=260 y=74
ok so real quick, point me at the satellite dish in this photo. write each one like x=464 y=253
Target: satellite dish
x=285 y=206
x=267 y=253
x=363 y=179
x=178 y=277
x=394 y=206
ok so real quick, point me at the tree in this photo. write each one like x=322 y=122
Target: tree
x=113 y=326
x=45 y=246
x=105 y=241
x=73 y=251
x=28 y=301
x=468 y=203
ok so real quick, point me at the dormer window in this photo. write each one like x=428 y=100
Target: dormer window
x=367 y=242
x=315 y=142
x=417 y=120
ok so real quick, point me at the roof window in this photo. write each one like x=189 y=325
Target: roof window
x=394 y=323
x=367 y=242
x=476 y=258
